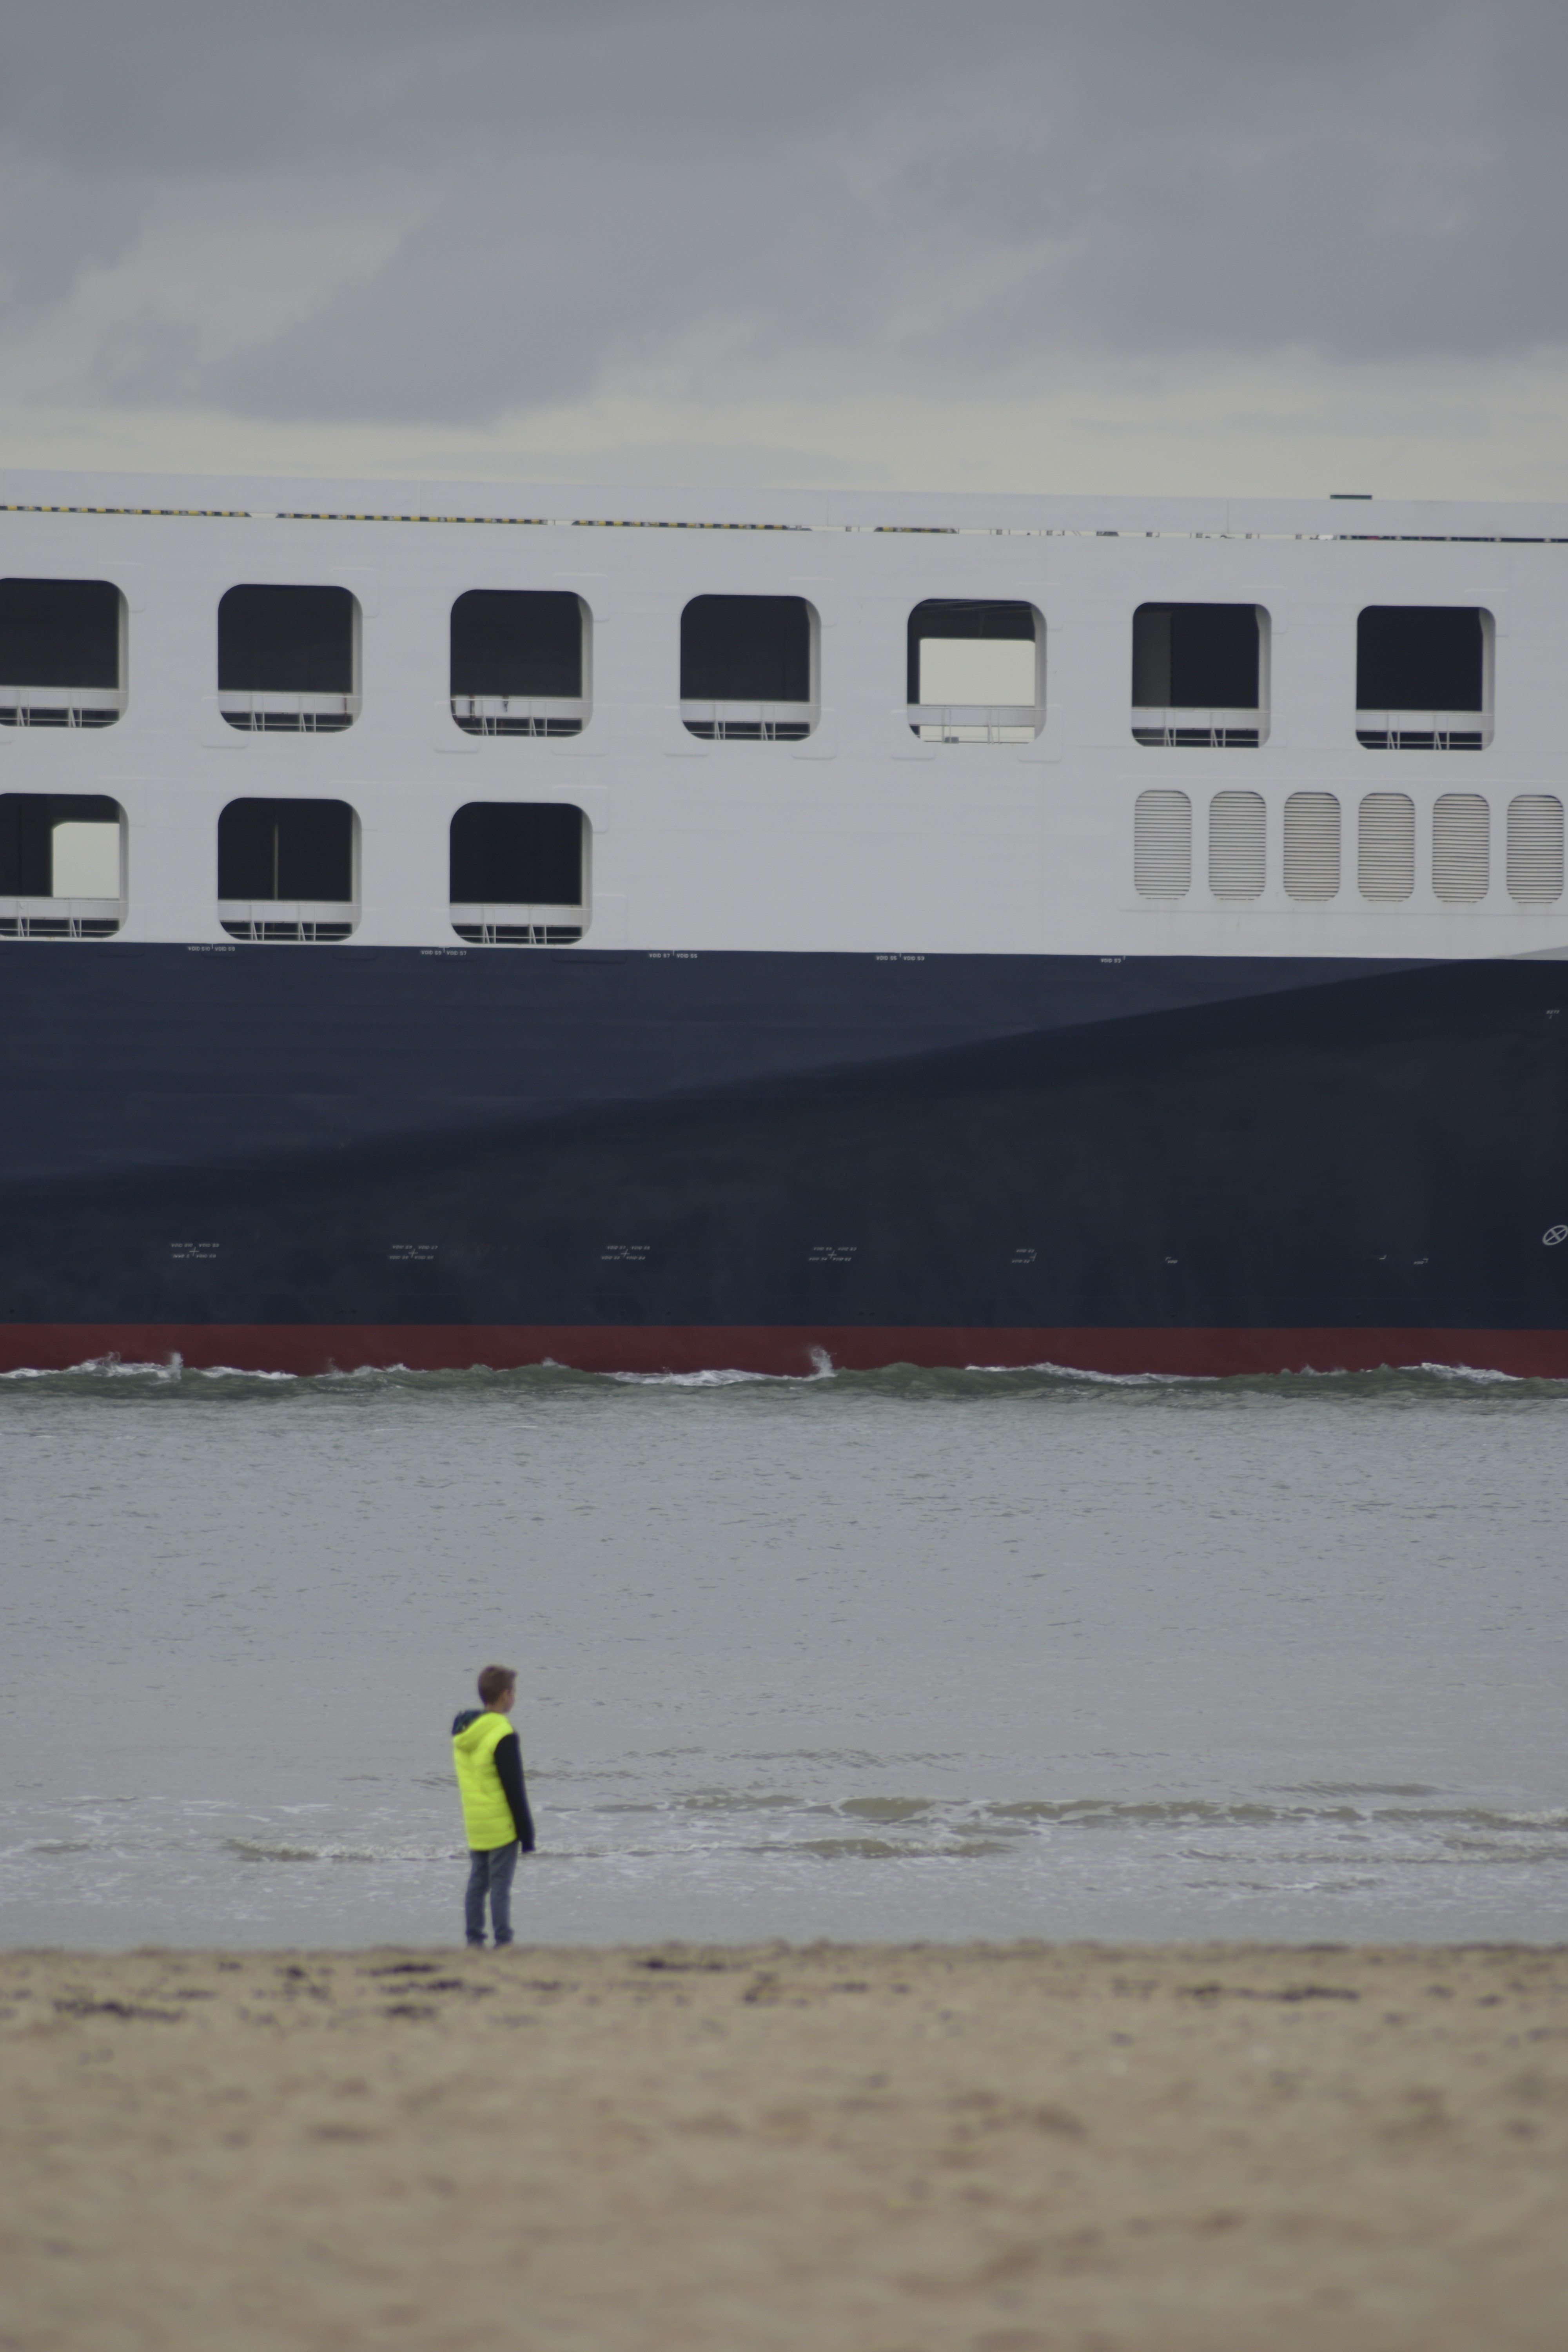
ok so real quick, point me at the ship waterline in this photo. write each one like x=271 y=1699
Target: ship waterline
x=309 y=1350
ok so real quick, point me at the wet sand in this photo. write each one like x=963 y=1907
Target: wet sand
x=1002 y=2148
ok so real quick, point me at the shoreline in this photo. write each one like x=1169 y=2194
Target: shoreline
x=854 y=2147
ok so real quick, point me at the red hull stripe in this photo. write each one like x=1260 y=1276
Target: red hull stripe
x=797 y=1349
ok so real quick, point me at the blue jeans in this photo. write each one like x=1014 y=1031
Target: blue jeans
x=490 y=1872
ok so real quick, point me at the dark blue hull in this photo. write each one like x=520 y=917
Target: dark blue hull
x=1000 y=1154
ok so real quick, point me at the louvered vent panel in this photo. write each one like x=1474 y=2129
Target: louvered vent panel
x=1385 y=859
x=1237 y=842
x=1163 y=845
x=1535 y=849
x=1461 y=854
x=1311 y=845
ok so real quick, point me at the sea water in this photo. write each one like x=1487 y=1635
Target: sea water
x=911 y=1654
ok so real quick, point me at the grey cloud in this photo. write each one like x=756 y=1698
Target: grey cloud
x=54 y=227
x=867 y=191
x=524 y=284
x=185 y=84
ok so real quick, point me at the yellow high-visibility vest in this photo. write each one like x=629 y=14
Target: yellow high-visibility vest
x=487 y=1816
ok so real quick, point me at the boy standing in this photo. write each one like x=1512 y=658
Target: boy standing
x=488 y=1755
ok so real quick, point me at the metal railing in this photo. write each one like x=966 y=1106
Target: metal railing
x=501 y=926
x=60 y=919
x=521 y=714
x=975 y=722
x=60 y=706
x=1178 y=727
x=750 y=722
x=1424 y=731
x=289 y=714
x=299 y=922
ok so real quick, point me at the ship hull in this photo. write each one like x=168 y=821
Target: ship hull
x=296 y=1160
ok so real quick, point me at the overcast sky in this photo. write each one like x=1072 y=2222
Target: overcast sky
x=1001 y=243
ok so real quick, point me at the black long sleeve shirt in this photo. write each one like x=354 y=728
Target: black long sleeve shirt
x=507 y=1756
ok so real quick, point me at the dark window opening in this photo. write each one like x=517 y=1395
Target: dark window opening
x=286 y=659
x=294 y=856
x=517 y=662
x=1192 y=658
x=61 y=866
x=749 y=660
x=1426 y=664
x=61 y=653
x=517 y=873
x=973 y=671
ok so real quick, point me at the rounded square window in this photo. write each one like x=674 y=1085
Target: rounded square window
x=287 y=871
x=288 y=659
x=1200 y=676
x=749 y=668
x=975 y=671
x=1424 y=678
x=62 y=653
x=518 y=872
x=62 y=865
x=519 y=662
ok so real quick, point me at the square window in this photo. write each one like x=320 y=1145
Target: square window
x=1199 y=676
x=975 y=671
x=748 y=668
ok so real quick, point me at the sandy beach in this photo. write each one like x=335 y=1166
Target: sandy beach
x=1002 y=2148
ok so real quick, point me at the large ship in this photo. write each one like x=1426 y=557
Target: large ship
x=449 y=926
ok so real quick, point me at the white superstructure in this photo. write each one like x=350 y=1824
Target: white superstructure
x=1016 y=807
